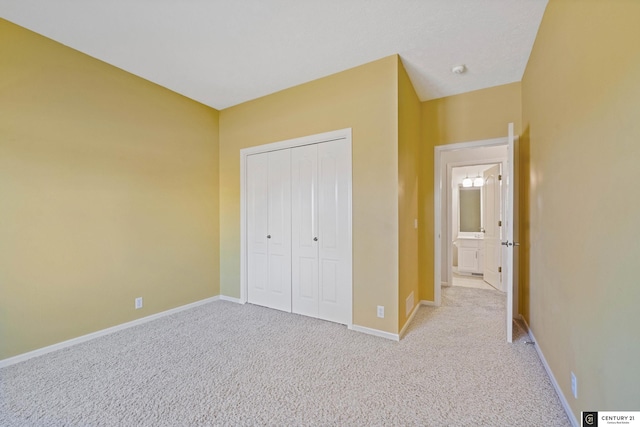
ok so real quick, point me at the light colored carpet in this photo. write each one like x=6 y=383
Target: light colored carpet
x=470 y=281
x=227 y=364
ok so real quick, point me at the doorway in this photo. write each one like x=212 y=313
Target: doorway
x=474 y=212
x=498 y=150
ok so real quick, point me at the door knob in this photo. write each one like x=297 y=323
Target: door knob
x=507 y=243
x=268 y=236
x=315 y=239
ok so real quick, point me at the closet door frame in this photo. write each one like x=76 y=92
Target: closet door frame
x=337 y=135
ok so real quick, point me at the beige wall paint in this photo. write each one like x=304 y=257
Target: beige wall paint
x=425 y=211
x=472 y=116
x=581 y=103
x=408 y=141
x=108 y=191
x=362 y=98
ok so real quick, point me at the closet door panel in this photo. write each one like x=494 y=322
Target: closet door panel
x=330 y=281
x=279 y=230
x=257 y=230
x=333 y=204
x=304 y=230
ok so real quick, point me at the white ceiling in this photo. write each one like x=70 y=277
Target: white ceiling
x=224 y=52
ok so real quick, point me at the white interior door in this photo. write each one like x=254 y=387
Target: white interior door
x=269 y=229
x=279 y=230
x=490 y=218
x=507 y=231
x=257 y=228
x=334 y=258
x=304 y=230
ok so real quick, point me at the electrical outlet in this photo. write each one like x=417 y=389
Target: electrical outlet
x=381 y=311
x=574 y=385
x=138 y=303
x=415 y=224
x=409 y=304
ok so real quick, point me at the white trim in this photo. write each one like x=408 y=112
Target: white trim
x=429 y=303
x=556 y=386
x=231 y=299
x=472 y=144
x=437 y=221
x=341 y=134
x=298 y=142
x=375 y=332
x=409 y=320
x=348 y=136
x=69 y=343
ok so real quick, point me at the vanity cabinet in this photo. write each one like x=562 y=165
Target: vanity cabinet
x=470 y=255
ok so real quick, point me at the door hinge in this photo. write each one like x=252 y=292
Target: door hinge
x=499 y=269
x=499 y=177
x=499 y=223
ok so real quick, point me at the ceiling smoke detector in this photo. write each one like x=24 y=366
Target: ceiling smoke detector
x=459 y=69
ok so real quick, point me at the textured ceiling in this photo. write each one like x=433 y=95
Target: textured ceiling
x=224 y=52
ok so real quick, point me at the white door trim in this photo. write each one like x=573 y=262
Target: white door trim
x=341 y=134
x=438 y=188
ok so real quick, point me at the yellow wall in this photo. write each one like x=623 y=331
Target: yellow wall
x=362 y=98
x=581 y=104
x=108 y=191
x=471 y=116
x=408 y=141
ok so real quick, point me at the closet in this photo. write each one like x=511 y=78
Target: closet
x=298 y=230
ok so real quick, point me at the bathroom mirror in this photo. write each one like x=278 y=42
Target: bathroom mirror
x=470 y=209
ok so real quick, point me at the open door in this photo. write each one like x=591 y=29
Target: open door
x=491 y=225
x=507 y=230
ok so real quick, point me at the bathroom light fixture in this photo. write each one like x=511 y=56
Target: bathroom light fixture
x=467 y=182
x=459 y=69
x=478 y=181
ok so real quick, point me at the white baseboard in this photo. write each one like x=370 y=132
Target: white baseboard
x=48 y=349
x=376 y=332
x=231 y=299
x=409 y=320
x=556 y=386
x=428 y=303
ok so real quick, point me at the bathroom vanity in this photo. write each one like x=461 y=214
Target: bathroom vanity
x=470 y=253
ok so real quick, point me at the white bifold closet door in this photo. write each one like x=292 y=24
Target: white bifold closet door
x=269 y=229
x=321 y=284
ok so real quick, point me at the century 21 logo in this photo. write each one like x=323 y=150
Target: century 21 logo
x=590 y=419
